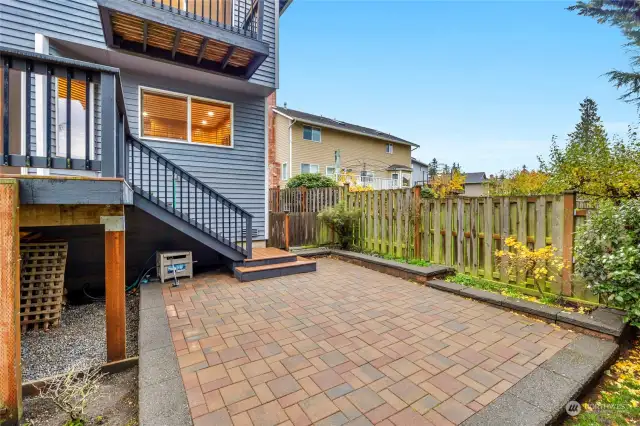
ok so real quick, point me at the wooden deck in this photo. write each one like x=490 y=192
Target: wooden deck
x=269 y=253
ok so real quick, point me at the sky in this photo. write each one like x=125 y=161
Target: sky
x=484 y=84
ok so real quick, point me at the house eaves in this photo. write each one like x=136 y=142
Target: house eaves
x=346 y=130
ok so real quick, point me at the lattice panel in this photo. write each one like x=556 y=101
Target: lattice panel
x=42 y=284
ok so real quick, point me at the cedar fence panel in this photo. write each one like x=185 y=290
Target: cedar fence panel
x=462 y=232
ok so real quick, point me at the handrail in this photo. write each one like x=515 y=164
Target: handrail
x=161 y=181
x=186 y=173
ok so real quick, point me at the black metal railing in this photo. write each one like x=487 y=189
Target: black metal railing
x=161 y=181
x=239 y=16
x=68 y=137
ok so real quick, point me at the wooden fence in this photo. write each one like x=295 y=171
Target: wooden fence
x=463 y=232
x=303 y=229
x=302 y=200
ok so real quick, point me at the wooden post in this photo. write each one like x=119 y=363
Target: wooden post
x=286 y=230
x=10 y=371
x=567 y=241
x=114 y=259
x=277 y=200
x=417 y=217
x=303 y=199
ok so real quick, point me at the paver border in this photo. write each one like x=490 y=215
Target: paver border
x=540 y=397
x=604 y=323
x=162 y=399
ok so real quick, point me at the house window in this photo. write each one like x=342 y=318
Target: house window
x=184 y=118
x=394 y=176
x=284 y=171
x=78 y=118
x=311 y=133
x=309 y=168
x=331 y=171
x=389 y=148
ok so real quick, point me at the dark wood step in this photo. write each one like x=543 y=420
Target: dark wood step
x=261 y=272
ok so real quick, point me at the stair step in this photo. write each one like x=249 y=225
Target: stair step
x=252 y=273
x=269 y=256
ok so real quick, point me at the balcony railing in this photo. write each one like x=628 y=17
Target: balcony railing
x=67 y=139
x=373 y=182
x=239 y=16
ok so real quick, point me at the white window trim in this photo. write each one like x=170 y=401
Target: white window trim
x=284 y=176
x=310 y=165
x=92 y=117
x=326 y=171
x=312 y=128
x=189 y=98
x=386 y=148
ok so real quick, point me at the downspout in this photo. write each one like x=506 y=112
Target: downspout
x=291 y=147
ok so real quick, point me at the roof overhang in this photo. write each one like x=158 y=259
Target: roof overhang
x=399 y=169
x=284 y=4
x=129 y=26
x=342 y=129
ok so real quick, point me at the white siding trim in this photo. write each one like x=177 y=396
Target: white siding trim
x=266 y=169
x=41 y=46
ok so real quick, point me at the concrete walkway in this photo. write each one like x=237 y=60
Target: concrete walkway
x=350 y=345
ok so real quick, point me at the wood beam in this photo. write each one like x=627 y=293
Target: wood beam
x=203 y=48
x=10 y=372
x=228 y=56
x=145 y=35
x=114 y=259
x=66 y=215
x=176 y=43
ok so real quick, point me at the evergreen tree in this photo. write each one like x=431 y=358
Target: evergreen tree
x=433 y=168
x=624 y=14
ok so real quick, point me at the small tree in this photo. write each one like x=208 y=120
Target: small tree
x=540 y=263
x=342 y=221
x=311 y=180
x=74 y=390
x=518 y=182
x=608 y=255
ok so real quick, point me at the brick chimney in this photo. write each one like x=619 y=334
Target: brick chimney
x=274 y=167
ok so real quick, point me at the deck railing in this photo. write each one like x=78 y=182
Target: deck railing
x=67 y=140
x=239 y=16
x=172 y=188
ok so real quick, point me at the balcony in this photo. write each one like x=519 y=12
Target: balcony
x=222 y=36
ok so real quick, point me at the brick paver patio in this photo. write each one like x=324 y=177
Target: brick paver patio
x=345 y=345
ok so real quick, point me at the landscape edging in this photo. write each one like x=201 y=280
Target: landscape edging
x=603 y=322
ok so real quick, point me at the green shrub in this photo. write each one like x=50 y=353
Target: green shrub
x=427 y=193
x=342 y=221
x=608 y=255
x=311 y=180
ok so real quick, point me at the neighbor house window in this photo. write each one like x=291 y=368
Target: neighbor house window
x=330 y=171
x=185 y=118
x=394 y=176
x=311 y=133
x=284 y=171
x=78 y=118
x=309 y=168
x=389 y=148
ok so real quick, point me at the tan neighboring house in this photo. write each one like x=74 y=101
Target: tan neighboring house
x=474 y=184
x=307 y=143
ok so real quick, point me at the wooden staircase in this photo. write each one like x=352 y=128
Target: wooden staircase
x=271 y=263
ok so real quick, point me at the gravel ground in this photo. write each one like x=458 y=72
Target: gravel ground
x=81 y=336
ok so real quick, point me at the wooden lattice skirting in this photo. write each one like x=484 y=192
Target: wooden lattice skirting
x=42 y=284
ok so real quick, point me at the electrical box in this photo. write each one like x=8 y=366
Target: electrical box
x=170 y=264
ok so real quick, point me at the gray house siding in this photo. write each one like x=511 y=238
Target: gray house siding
x=78 y=21
x=237 y=173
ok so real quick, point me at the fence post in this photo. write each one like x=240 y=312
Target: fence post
x=303 y=199
x=10 y=371
x=567 y=241
x=277 y=200
x=346 y=194
x=286 y=230
x=417 y=218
